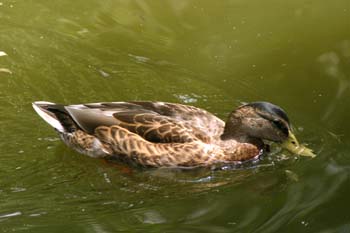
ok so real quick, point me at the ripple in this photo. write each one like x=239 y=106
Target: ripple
x=17 y=213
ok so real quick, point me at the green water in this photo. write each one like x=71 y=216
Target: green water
x=211 y=54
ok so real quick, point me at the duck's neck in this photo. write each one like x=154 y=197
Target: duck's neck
x=234 y=131
x=241 y=148
x=236 y=142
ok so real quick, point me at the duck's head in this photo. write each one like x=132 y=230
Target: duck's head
x=262 y=121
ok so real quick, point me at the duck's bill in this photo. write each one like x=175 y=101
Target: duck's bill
x=292 y=145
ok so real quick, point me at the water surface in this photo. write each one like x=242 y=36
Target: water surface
x=210 y=54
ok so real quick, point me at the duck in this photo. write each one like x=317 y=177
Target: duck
x=162 y=134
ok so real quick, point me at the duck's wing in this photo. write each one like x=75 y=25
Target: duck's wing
x=197 y=118
x=153 y=121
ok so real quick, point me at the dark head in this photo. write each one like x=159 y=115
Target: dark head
x=259 y=120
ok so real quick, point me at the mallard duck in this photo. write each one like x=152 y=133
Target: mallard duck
x=159 y=134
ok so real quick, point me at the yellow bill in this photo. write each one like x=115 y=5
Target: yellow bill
x=293 y=146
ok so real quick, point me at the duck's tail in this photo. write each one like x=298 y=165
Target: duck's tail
x=55 y=115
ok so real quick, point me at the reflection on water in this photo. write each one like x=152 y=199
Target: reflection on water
x=334 y=65
x=213 y=55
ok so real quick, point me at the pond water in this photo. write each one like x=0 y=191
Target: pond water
x=210 y=54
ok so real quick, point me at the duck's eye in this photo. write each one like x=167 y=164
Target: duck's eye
x=281 y=126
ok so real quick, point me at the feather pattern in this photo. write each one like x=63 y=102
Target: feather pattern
x=145 y=133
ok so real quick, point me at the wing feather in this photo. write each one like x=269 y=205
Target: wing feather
x=154 y=121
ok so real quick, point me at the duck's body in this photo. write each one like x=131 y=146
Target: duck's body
x=159 y=134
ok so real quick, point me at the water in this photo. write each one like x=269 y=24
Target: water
x=210 y=54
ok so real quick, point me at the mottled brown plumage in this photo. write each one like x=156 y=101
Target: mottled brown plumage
x=158 y=134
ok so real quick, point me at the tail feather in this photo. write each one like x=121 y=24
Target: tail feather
x=55 y=115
